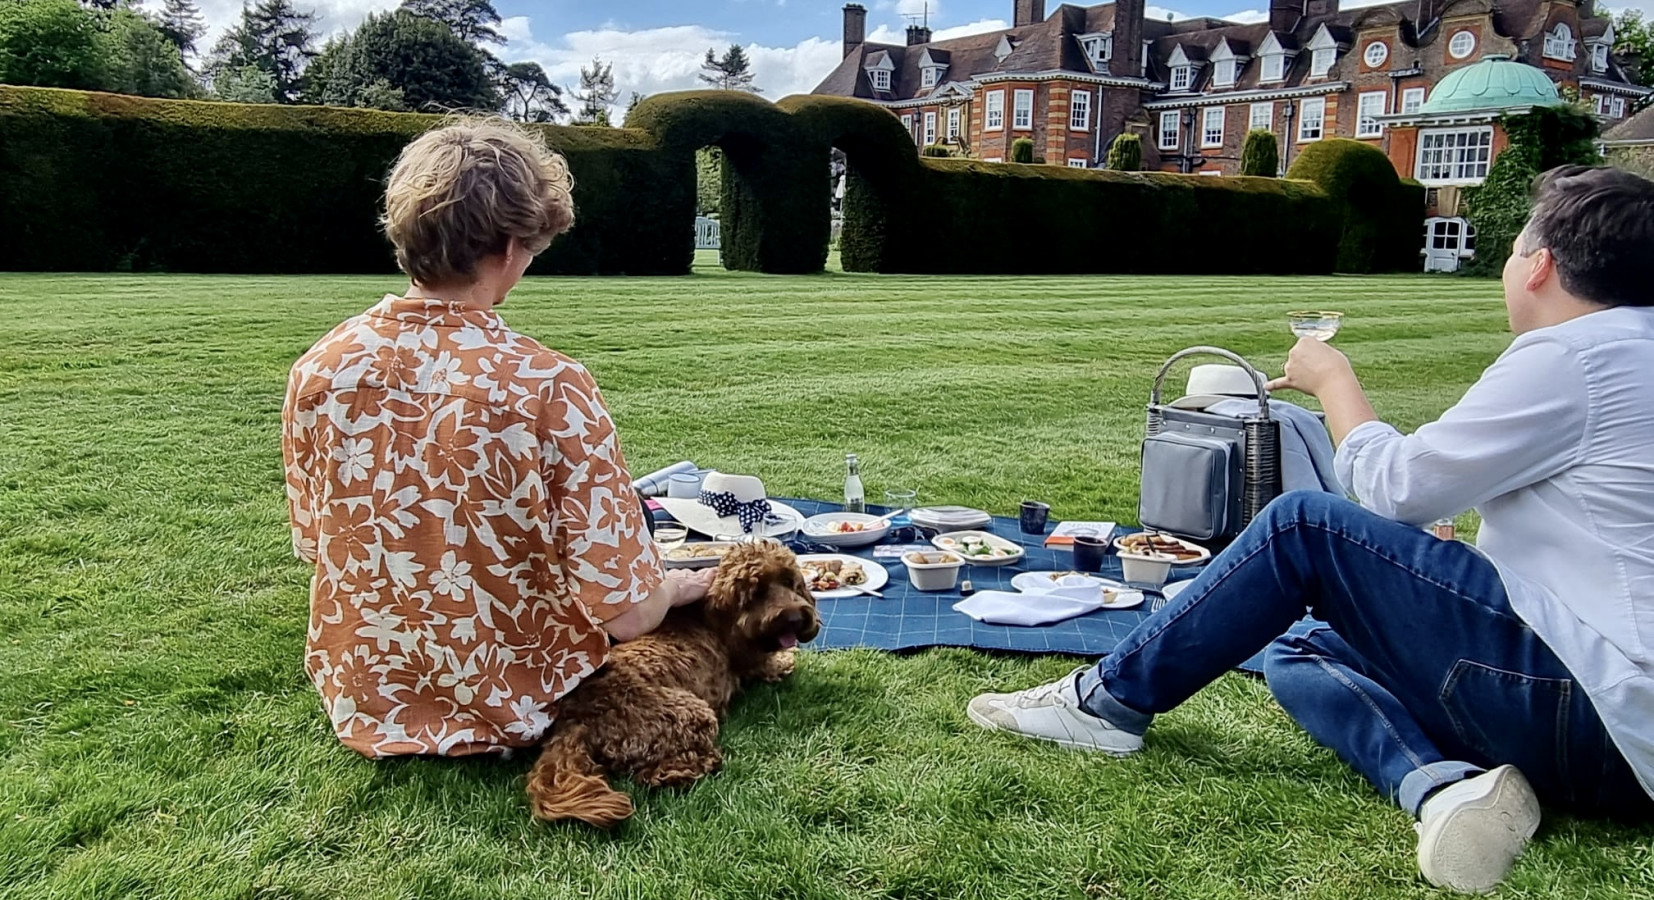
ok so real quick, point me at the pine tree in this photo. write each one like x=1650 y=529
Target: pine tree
x=182 y=24
x=274 y=37
x=1260 y=155
x=529 y=94
x=1125 y=153
x=597 y=93
x=473 y=21
x=731 y=73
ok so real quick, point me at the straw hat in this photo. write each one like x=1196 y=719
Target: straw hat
x=732 y=504
x=1211 y=384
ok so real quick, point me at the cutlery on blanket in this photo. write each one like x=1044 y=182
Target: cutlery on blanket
x=861 y=590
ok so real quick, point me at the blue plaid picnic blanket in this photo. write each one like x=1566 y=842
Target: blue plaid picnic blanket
x=907 y=619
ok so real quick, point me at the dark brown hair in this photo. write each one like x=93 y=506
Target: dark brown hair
x=1598 y=224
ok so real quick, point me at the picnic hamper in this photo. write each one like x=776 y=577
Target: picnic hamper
x=1206 y=476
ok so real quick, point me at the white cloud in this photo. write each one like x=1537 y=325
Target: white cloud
x=653 y=60
x=885 y=34
x=1248 y=16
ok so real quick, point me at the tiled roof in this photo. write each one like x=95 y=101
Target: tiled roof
x=1639 y=127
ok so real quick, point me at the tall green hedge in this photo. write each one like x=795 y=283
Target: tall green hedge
x=1125 y=153
x=1382 y=215
x=94 y=181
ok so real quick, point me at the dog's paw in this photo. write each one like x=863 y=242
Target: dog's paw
x=778 y=665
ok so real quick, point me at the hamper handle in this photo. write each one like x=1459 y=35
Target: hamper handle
x=1257 y=378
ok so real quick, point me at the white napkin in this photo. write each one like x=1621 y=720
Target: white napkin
x=1074 y=595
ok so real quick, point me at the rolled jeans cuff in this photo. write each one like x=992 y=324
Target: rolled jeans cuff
x=1096 y=700
x=1418 y=784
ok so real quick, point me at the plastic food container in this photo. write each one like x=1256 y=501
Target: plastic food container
x=937 y=571
x=1147 y=568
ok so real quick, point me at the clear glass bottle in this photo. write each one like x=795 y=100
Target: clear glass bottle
x=855 y=498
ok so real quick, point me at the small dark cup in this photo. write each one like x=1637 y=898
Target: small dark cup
x=1034 y=517
x=1088 y=553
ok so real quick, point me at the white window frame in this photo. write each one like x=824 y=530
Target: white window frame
x=1077 y=162
x=1268 y=109
x=993 y=111
x=1319 y=104
x=1454 y=155
x=1206 y=129
x=1175 y=117
x=880 y=79
x=1619 y=107
x=927 y=77
x=1022 y=110
x=1210 y=173
x=907 y=123
x=1099 y=49
x=1320 y=62
x=954 y=119
x=1601 y=102
x=1599 y=57
x=1143 y=64
x=1376 y=54
x=1182 y=77
x=1079 y=110
x=1560 y=43
x=930 y=128
x=1458 y=49
x=1226 y=73
x=1367 y=124
x=1274 y=67
x=997 y=159
x=1412 y=99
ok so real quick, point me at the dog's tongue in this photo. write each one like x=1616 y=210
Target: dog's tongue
x=789 y=641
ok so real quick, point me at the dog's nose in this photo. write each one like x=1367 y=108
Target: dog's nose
x=809 y=624
x=792 y=620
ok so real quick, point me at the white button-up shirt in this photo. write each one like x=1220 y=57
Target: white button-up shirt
x=1554 y=447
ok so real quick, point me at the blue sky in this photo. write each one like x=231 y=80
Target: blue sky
x=657 y=45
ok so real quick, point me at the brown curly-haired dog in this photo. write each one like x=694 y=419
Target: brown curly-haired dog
x=652 y=712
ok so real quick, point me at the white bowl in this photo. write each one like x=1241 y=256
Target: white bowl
x=816 y=529
x=956 y=541
x=940 y=575
x=1146 y=568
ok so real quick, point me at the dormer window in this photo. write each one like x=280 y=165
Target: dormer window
x=1181 y=77
x=1004 y=49
x=1227 y=72
x=1560 y=43
x=1274 y=67
x=927 y=77
x=1098 y=49
x=880 y=79
x=1599 y=58
x=1320 y=62
x=1143 y=65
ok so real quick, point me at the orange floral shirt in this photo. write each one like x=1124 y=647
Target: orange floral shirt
x=461 y=493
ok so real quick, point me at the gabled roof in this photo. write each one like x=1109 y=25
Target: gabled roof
x=1639 y=127
x=1230 y=49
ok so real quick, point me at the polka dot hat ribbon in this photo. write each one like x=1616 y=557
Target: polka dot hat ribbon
x=725 y=505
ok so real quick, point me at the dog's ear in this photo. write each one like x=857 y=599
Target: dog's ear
x=740 y=576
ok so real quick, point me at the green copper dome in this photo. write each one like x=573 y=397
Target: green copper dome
x=1492 y=84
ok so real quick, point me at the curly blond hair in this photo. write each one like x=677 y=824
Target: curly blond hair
x=463 y=190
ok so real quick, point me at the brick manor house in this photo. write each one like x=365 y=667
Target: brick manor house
x=1192 y=89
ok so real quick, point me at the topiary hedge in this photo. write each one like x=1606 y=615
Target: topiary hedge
x=1260 y=155
x=93 y=181
x=1382 y=215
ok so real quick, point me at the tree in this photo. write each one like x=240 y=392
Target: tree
x=731 y=73
x=1540 y=140
x=473 y=21
x=529 y=94
x=1260 y=155
x=597 y=93
x=424 y=59
x=1022 y=150
x=139 y=58
x=274 y=37
x=181 y=23
x=709 y=180
x=632 y=103
x=50 y=43
x=1125 y=153
x=1634 y=38
x=247 y=84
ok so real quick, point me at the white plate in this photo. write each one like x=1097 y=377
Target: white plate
x=1038 y=582
x=1171 y=591
x=1204 y=554
x=955 y=541
x=695 y=562
x=877 y=576
x=815 y=529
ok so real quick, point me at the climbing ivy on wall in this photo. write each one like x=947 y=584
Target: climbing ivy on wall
x=1539 y=141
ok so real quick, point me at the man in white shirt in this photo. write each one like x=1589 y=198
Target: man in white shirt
x=1467 y=684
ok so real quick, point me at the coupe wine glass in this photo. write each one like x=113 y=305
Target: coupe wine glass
x=1315 y=324
x=670 y=536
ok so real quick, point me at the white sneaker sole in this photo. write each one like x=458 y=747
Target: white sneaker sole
x=1472 y=848
x=1064 y=743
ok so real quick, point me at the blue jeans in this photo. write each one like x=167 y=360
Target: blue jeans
x=1414 y=670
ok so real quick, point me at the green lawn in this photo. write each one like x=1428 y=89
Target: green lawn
x=158 y=737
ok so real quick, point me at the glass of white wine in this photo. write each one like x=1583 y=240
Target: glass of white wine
x=670 y=536
x=1315 y=324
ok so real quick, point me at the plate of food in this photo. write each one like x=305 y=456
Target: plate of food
x=1079 y=585
x=1036 y=582
x=833 y=575
x=979 y=547
x=697 y=555
x=1158 y=546
x=845 y=529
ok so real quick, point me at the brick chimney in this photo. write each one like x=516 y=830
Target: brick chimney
x=1322 y=8
x=855 y=27
x=917 y=34
x=1028 y=12
x=1126 y=60
x=1285 y=14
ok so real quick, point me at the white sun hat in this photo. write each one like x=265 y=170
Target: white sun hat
x=1211 y=384
x=732 y=505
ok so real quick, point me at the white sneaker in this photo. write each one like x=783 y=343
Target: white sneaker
x=1471 y=832
x=1051 y=712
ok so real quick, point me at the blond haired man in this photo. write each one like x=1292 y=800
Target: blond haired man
x=459 y=487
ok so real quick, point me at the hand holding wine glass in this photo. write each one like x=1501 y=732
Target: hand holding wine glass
x=1317 y=325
